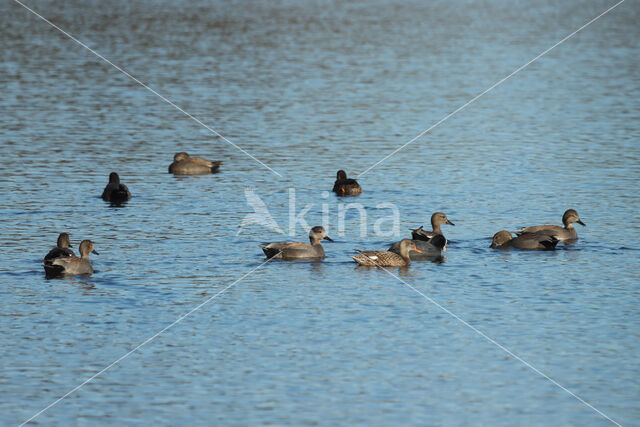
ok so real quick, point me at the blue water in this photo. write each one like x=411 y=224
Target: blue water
x=310 y=87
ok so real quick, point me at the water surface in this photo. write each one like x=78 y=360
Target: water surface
x=308 y=88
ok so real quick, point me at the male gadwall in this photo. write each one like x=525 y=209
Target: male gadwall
x=561 y=233
x=75 y=265
x=115 y=192
x=299 y=250
x=183 y=164
x=60 y=251
x=437 y=219
x=346 y=186
x=531 y=241
x=426 y=250
x=387 y=258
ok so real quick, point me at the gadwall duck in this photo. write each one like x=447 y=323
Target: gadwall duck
x=387 y=258
x=530 y=241
x=346 y=186
x=60 y=251
x=75 y=265
x=115 y=192
x=426 y=250
x=299 y=250
x=183 y=164
x=437 y=219
x=561 y=233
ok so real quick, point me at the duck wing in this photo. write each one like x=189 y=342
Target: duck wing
x=276 y=249
x=213 y=165
x=57 y=253
x=547 y=229
x=422 y=234
x=379 y=258
x=347 y=187
x=74 y=265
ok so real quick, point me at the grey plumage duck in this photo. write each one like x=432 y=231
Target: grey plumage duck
x=299 y=250
x=115 y=192
x=77 y=265
x=60 y=251
x=529 y=241
x=184 y=164
x=568 y=232
x=437 y=219
x=387 y=258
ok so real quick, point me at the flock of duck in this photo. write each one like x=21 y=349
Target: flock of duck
x=423 y=245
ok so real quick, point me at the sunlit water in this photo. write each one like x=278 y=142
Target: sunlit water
x=308 y=88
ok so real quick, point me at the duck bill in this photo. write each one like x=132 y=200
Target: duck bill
x=581 y=223
x=328 y=238
x=418 y=250
x=450 y=223
x=95 y=252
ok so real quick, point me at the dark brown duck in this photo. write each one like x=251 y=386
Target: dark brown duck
x=115 y=192
x=346 y=186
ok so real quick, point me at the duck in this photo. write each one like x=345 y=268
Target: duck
x=183 y=164
x=60 y=251
x=529 y=241
x=425 y=250
x=387 y=258
x=346 y=186
x=437 y=219
x=77 y=265
x=115 y=192
x=299 y=250
x=568 y=232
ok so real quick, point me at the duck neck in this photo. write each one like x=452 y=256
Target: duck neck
x=404 y=253
x=436 y=228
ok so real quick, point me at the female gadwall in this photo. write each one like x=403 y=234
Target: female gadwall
x=299 y=250
x=437 y=219
x=75 y=265
x=531 y=241
x=561 y=233
x=183 y=164
x=115 y=192
x=425 y=251
x=387 y=258
x=60 y=251
x=346 y=186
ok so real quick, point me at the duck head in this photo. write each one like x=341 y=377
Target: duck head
x=500 y=238
x=318 y=233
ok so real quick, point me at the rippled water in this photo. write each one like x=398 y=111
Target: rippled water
x=308 y=88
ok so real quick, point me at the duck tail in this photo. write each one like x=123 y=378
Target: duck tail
x=550 y=242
